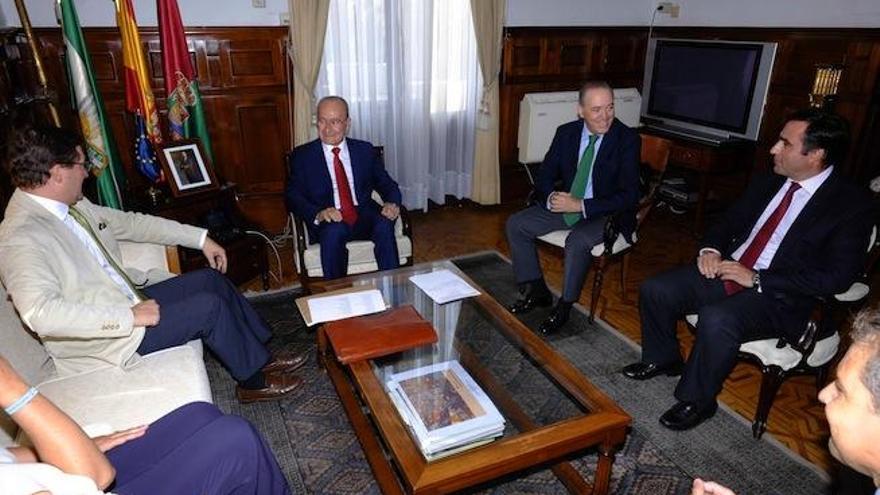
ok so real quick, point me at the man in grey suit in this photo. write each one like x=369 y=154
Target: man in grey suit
x=61 y=265
x=595 y=160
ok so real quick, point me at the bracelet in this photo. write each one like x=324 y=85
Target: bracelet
x=21 y=401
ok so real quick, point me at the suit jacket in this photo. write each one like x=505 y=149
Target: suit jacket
x=822 y=253
x=61 y=292
x=615 y=172
x=310 y=189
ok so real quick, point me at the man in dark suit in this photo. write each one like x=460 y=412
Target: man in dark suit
x=595 y=158
x=341 y=214
x=794 y=236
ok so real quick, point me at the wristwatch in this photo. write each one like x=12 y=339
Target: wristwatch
x=756 y=281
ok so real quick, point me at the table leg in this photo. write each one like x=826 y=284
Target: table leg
x=603 y=469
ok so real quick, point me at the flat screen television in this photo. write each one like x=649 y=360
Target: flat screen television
x=707 y=89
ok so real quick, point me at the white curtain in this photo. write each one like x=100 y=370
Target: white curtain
x=409 y=71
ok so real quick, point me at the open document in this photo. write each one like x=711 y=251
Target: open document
x=444 y=286
x=339 y=306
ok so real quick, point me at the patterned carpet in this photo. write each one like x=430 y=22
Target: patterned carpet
x=320 y=454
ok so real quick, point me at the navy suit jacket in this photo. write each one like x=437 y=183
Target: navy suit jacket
x=822 y=253
x=615 y=172
x=310 y=189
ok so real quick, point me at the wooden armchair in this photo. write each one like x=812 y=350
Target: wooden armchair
x=654 y=157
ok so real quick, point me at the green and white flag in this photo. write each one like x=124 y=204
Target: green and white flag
x=101 y=153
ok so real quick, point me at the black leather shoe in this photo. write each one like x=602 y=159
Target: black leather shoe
x=686 y=415
x=646 y=371
x=558 y=317
x=530 y=301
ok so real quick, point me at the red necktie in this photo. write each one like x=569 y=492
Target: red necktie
x=346 y=204
x=751 y=254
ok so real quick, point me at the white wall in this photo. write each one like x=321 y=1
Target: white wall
x=193 y=12
x=753 y=13
x=782 y=13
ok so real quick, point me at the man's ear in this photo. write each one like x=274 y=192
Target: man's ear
x=55 y=173
x=817 y=156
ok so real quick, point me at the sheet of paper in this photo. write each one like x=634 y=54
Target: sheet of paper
x=444 y=286
x=341 y=306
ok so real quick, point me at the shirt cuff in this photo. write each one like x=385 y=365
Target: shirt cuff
x=709 y=250
x=202 y=239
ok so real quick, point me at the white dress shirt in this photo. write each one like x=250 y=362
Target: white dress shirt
x=798 y=201
x=32 y=477
x=346 y=164
x=60 y=210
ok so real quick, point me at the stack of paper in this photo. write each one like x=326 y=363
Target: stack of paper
x=445 y=409
x=343 y=304
x=444 y=286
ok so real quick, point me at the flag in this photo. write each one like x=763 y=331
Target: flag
x=185 y=111
x=101 y=153
x=138 y=95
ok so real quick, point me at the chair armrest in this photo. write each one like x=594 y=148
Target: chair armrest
x=404 y=219
x=807 y=340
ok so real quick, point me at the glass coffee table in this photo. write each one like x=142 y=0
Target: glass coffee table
x=550 y=410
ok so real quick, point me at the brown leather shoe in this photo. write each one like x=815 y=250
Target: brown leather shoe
x=278 y=385
x=284 y=362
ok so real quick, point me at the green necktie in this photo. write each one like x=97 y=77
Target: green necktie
x=579 y=184
x=80 y=219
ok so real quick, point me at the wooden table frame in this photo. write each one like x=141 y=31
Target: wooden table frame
x=379 y=428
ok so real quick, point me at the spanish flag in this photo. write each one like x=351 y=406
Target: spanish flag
x=185 y=111
x=138 y=95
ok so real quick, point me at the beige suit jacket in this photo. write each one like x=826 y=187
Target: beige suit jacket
x=60 y=290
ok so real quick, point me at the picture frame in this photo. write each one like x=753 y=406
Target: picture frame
x=187 y=168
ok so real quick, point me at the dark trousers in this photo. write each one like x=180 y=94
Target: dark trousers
x=205 y=305
x=197 y=449
x=725 y=322
x=525 y=226
x=371 y=226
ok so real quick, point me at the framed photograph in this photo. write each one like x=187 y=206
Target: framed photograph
x=187 y=168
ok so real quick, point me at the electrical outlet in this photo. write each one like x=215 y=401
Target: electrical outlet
x=669 y=8
x=259 y=4
x=284 y=19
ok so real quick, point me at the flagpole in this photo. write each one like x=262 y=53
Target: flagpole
x=38 y=60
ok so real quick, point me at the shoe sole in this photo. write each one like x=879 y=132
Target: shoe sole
x=267 y=399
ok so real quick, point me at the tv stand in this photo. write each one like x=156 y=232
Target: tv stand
x=689 y=134
x=709 y=159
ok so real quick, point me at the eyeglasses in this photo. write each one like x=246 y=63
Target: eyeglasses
x=332 y=122
x=86 y=164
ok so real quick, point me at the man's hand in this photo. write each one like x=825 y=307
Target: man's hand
x=701 y=487
x=216 y=255
x=107 y=442
x=709 y=263
x=146 y=313
x=390 y=211
x=329 y=215
x=563 y=202
x=734 y=271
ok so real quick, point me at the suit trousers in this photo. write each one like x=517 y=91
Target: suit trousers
x=724 y=323
x=205 y=305
x=525 y=226
x=371 y=226
x=197 y=449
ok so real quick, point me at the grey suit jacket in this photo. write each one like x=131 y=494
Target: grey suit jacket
x=61 y=292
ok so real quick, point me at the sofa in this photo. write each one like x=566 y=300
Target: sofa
x=108 y=398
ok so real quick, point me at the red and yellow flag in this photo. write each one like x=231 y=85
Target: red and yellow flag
x=138 y=94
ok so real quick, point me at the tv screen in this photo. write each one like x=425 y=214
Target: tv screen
x=716 y=87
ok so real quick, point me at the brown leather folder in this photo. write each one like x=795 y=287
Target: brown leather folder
x=380 y=334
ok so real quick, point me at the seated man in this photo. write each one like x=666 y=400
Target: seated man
x=193 y=449
x=59 y=261
x=342 y=214
x=596 y=159
x=852 y=406
x=794 y=236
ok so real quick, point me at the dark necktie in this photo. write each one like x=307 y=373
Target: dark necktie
x=80 y=219
x=346 y=204
x=751 y=254
x=579 y=184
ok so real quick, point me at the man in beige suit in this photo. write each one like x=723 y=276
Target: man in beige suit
x=60 y=263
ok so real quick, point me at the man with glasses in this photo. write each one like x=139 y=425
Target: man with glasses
x=330 y=184
x=61 y=264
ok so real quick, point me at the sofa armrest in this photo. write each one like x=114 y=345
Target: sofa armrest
x=123 y=398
